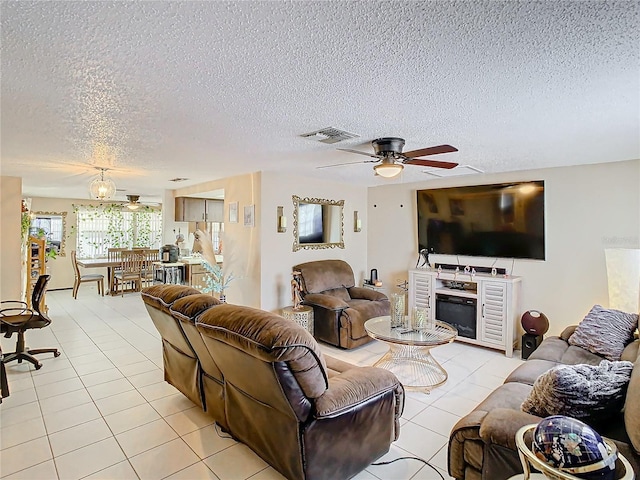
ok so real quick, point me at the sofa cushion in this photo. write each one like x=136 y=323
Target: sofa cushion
x=270 y=338
x=529 y=371
x=605 y=332
x=188 y=308
x=325 y=274
x=163 y=296
x=341 y=292
x=580 y=391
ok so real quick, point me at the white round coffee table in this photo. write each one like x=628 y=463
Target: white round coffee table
x=409 y=356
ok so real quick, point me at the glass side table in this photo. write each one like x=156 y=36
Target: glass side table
x=409 y=356
x=303 y=316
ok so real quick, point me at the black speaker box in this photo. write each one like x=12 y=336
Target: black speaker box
x=529 y=344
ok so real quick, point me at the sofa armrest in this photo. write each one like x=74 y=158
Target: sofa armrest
x=325 y=301
x=366 y=294
x=356 y=386
x=463 y=434
x=567 y=332
x=500 y=426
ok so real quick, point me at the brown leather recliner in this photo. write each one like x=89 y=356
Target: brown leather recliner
x=182 y=369
x=339 y=307
x=264 y=379
x=283 y=402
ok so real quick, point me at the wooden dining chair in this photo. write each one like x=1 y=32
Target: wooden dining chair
x=114 y=255
x=130 y=271
x=150 y=256
x=79 y=278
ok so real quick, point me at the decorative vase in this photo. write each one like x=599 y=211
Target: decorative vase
x=420 y=319
x=397 y=309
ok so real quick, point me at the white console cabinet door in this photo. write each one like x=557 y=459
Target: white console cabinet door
x=498 y=306
x=493 y=299
x=421 y=291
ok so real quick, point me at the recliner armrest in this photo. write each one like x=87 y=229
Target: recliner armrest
x=356 y=386
x=325 y=301
x=500 y=426
x=366 y=294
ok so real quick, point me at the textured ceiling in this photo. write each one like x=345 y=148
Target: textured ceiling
x=205 y=90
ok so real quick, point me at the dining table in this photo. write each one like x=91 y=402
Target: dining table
x=110 y=265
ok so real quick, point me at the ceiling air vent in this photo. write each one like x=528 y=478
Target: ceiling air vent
x=178 y=179
x=329 y=135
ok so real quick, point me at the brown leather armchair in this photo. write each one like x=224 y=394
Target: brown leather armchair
x=339 y=307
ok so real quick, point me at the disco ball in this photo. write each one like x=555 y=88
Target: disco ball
x=573 y=447
x=535 y=322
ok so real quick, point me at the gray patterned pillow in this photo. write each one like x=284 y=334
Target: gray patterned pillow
x=605 y=332
x=580 y=391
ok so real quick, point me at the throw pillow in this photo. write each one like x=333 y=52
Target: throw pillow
x=341 y=292
x=580 y=391
x=605 y=332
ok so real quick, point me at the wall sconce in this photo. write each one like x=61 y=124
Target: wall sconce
x=357 y=223
x=282 y=220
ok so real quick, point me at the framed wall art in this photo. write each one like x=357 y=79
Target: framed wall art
x=233 y=212
x=249 y=215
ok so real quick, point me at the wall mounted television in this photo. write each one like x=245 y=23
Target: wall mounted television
x=501 y=220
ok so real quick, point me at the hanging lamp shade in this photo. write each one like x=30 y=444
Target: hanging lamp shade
x=102 y=188
x=388 y=170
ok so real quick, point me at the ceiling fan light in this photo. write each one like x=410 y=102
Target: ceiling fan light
x=133 y=202
x=101 y=188
x=388 y=170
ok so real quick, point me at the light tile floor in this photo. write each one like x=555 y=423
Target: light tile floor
x=103 y=411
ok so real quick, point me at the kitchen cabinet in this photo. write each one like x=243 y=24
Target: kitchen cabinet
x=189 y=209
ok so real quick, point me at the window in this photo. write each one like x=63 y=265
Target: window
x=100 y=227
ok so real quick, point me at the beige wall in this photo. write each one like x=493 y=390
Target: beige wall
x=277 y=254
x=588 y=208
x=10 y=238
x=259 y=257
x=241 y=245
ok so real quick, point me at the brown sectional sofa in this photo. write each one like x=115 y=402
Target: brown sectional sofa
x=266 y=382
x=482 y=444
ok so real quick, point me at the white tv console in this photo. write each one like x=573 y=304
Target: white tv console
x=492 y=301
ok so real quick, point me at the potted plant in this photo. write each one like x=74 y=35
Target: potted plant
x=50 y=252
x=215 y=280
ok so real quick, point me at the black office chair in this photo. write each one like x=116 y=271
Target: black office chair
x=19 y=318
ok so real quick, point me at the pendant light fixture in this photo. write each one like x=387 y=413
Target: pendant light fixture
x=101 y=188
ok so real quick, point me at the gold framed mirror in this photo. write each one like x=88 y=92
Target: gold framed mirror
x=53 y=227
x=317 y=223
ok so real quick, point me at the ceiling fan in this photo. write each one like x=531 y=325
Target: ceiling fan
x=134 y=203
x=391 y=159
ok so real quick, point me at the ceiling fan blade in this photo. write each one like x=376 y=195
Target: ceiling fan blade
x=423 y=152
x=430 y=163
x=348 y=163
x=358 y=152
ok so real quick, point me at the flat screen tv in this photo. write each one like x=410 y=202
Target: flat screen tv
x=500 y=220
